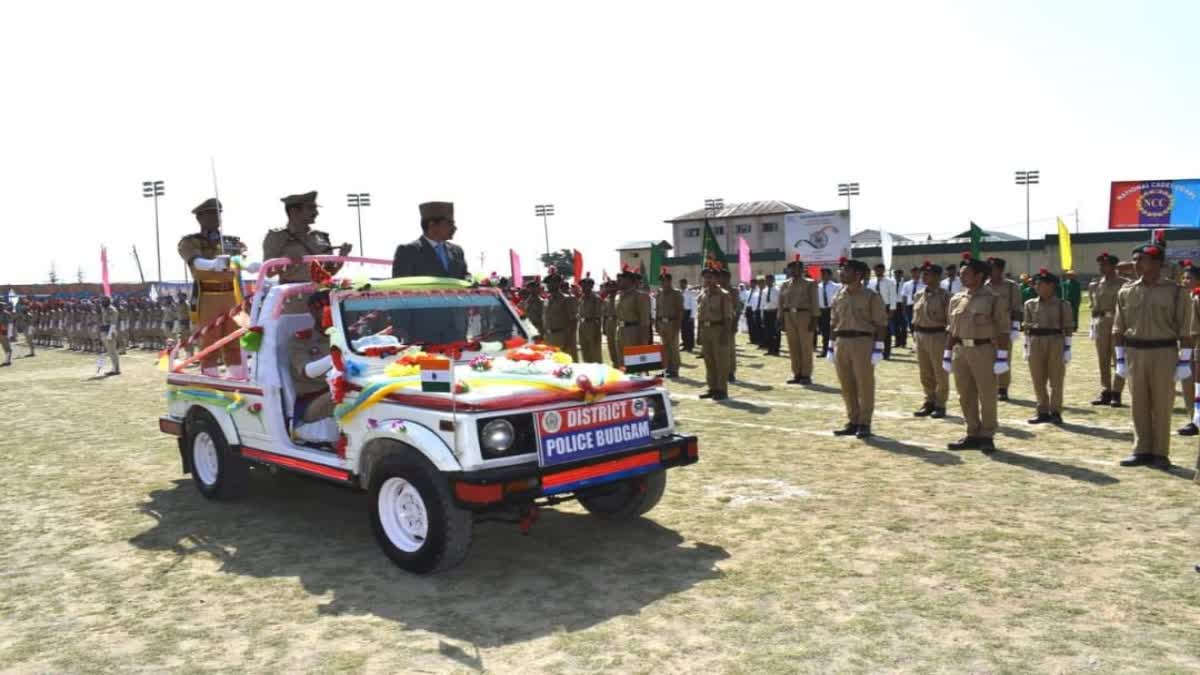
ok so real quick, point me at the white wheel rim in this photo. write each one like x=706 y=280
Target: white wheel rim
x=403 y=515
x=204 y=458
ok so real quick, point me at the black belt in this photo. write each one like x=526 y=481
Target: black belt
x=973 y=342
x=1150 y=344
x=631 y=324
x=588 y=318
x=924 y=329
x=1101 y=315
x=1041 y=332
x=712 y=323
x=853 y=333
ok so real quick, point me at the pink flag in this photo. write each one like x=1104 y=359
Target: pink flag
x=515 y=260
x=744 y=273
x=104 y=272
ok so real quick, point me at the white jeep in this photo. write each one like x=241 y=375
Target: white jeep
x=520 y=427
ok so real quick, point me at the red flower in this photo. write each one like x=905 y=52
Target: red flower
x=966 y=255
x=1043 y=271
x=513 y=343
x=326 y=317
x=1187 y=262
x=341 y=444
x=1152 y=250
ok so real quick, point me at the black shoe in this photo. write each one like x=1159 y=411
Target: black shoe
x=848 y=430
x=1040 y=418
x=1188 y=429
x=987 y=446
x=864 y=431
x=707 y=394
x=1137 y=460
x=1104 y=399
x=1159 y=462
x=795 y=380
x=938 y=413
x=6 y=363
x=1116 y=400
x=732 y=378
x=964 y=443
x=805 y=380
x=1056 y=418
x=924 y=411
x=1002 y=395
x=720 y=396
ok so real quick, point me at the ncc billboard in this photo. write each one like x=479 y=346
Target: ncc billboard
x=1154 y=204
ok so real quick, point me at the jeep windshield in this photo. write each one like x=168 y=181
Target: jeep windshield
x=425 y=319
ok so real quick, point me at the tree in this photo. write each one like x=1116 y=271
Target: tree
x=53 y=274
x=562 y=260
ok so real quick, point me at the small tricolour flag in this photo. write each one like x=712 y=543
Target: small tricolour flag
x=435 y=375
x=643 y=358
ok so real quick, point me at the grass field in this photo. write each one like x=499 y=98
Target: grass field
x=784 y=550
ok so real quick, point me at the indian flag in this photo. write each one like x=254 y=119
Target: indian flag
x=643 y=358
x=435 y=375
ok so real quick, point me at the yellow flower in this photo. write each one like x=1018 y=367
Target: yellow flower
x=397 y=370
x=562 y=358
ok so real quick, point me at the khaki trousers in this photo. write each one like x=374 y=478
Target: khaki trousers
x=857 y=377
x=731 y=351
x=668 y=331
x=977 y=388
x=798 y=326
x=1152 y=385
x=589 y=341
x=1046 y=366
x=110 y=346
x=614 y=350
x=935 y=381
x=715 y=345
x=1106 y=354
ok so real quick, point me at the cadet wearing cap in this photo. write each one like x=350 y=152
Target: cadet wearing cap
x=798 y=302
x=859 y=323
x=714 y=310
x=1153 y=319
x=1102 y=292
x=931 y=313
x=560 y=318
x=633 y=314
x=1190 y=282
x=668 y=310
x=1009 y=294
x=532 y=305
x=979 y=352
x=725 y=278
x=1048 y=325
x=297 y=239
x=432 y=254
x=611 y=325
x=591 y=312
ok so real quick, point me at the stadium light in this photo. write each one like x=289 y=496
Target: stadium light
x=847 y=190
x=155 y=189
x=544 y=211
x=356 y=201
x=1028 y=178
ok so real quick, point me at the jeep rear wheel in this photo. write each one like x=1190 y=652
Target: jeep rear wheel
x=216 y=471
x=627 y=499
x=414 y=516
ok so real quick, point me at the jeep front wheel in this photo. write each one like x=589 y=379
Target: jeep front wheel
x=217 y=472
x=627 y=499
x=414 y=516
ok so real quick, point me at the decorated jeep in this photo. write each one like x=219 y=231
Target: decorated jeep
x=445 y=409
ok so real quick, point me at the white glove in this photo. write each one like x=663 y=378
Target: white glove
x=1092 y=329
x=877 y=353
x=319 y=367
x=1183 y=368
x=947 y=360
x=1122 y=369
x=1066 y=350
x=829 y=355
x=217 y=264
x=1196 y=404
x=1001 y=365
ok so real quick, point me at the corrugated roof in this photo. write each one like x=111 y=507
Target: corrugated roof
x=866 y=236
x=767 y=208
x=633 y=245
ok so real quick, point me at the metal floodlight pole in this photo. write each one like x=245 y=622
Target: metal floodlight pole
x=155 y=189
x=1027 y=178
x=545 y=211
x=357 y=200
x=847 y=190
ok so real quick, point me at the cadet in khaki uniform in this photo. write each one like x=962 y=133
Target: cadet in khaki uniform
x=725 y=277
x=609 y=313
x=297 y=239
x=1103 y=294
x=207 y=255
x=1153 y=320
x=633 y=314
x=1009 y=293
x=1048 y=324
x=669 y=315
x=533 y=306
x=6 y=323
x=306 y=354
x=931 y=314
x=858 y=321
x=1190 y=282
x=591 y=314
x=108 y=333
x=979 y=323
x=798 y=304
x=714 y=309
x=560 y=317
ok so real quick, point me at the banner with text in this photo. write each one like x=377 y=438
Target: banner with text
x=1154 y=204
x=819 y=238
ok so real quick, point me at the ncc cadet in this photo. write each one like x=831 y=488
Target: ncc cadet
x=591 y=310
x=714 y=310
x=1103 y=294
x=668 y=309
x=609 y=314
x=1190 y=282
x=798 y=303
x=560 y=316
x=1153 y=320
x=1048 y=323
x=297 y=239
x=108 y=333
x=1009 y=293
x=25 y=326
x=978 y=352
x=6 y=323
x=931 y=314
x=859 y=322
x=633 y=314
x=207 y=254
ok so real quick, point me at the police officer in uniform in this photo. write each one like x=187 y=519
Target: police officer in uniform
x=1048 y=324
x=714 y=310
x=307 y=359
x=979 y=340
x=798 y=303
x=1103 y=294
x=533 y=306
x=297 y=239
x=611 y=328
x=591 y=313
x=668 y=317
x=1009 y=293
x=633 y=314
x=1152 y=322
x=725 y=278
x=560 y=316
x=931 y=314
x=859 y=323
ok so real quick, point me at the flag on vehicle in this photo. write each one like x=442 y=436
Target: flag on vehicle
x=643 y=358
x=435 y=375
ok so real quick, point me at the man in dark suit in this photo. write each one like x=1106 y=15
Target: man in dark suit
x=432 y=254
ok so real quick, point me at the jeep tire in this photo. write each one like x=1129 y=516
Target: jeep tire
x=627 y=499
x=217 y=472
x=414 y=516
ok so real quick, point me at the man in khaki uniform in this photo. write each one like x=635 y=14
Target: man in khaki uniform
x=533 y=306
x=859 y=323
x=669 y=316
x=1048 y=324
x=725 y=277
x=979 y=323
x=591 y=315
x=1153 y=320
x=798 y=304
x=1009 y=293
x=1190 y=281
x=931 y=314
x=207 y=254
x=108 y=333
x=609 y=314
x=714 y=309
x=1102 y=292
x=560 y=316
x=308 y=362
x=296 y=240
x=633 y=314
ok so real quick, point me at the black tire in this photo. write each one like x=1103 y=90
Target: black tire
x=233 y=473
x=628 y=499
x=448 y=535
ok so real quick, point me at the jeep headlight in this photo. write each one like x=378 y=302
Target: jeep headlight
x=656 y=412
x=497 y=436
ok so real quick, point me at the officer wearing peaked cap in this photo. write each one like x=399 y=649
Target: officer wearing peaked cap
x=207 y=254
x=297 y=239
x=714 y=311
x=591 y=314
x=560 y=316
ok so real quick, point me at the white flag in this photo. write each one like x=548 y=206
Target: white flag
x=885 y=244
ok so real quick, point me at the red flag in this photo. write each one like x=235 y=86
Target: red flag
x=515 y=261
x=814 y=271
x=577 y=264
x=104 y=272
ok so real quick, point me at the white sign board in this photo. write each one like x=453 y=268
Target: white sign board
x=819 y=238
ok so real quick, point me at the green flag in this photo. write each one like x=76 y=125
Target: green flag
x=713 y=255
x=976 y=240
x=656 y=262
